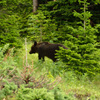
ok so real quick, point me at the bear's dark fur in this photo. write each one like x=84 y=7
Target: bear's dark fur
x=46 y=49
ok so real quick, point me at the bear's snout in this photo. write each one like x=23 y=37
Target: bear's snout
x=30 y=52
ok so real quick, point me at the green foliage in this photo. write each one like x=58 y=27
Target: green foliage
x=7 y=63
x=43 y=94
x=12 y=83
x=9 y=88
x=12 y=21
x=97 y=1
x=2 y=51
x=59 y=11
x=16 y=6
x=60 y=95
x=52 y=18
x=9 y=31
x=81 y=43
x=35 y=23
x=40 y=28
x=10 y=61
x=80 y=55
x=54 y=69
x=63 y=21
x=34 y=94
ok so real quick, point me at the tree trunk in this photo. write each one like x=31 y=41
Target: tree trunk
x=35 y=5
x=84 y=16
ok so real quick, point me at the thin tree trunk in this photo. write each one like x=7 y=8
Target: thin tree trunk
x=35 y=5
x=26 y=51
x=84 y=17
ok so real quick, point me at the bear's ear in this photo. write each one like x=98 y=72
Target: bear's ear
x=35 y=43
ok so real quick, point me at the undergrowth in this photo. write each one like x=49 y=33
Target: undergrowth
x=30 y=79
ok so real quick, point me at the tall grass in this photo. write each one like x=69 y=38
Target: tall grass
x=82 y=86
x=47 y=72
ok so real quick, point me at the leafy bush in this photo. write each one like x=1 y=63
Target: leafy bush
x=82 y=56
x=7 y=71
x=2 y=51
x=9 y=31
x=34 y=94
x=42 y=94
x=40 y=28
x=7 y=63
x=81 y=43
x=8 y=89
x=38 y=83
x=60 y=95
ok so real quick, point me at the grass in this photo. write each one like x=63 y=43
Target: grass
x=83 y=88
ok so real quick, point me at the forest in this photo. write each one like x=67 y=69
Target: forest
x=72 y=23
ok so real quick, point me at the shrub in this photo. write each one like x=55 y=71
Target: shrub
x=42 y=94
x=9 y=31
x=34 y=94
x=82 y=55
x=8 y=89
x=60 y=95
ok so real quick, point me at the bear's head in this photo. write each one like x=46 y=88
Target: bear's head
x=33 y=48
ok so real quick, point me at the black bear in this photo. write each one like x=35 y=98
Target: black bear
x=46 y=49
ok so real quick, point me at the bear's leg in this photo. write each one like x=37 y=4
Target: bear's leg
x=40 y=57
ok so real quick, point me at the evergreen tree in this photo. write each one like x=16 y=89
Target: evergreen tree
x=81 y=43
